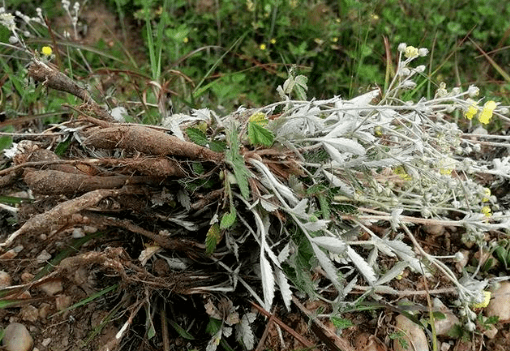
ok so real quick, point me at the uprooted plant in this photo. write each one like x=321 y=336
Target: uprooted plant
x=329 y=187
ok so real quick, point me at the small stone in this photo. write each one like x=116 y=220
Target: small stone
x=46 y=342
x=44 y=310
x=78 y=233
x=12 y=253
x=43 y=256
x=491 y=332
x=434 y=229
x=17 y=338
x=500 y=304
x=414 y=335
x=52 y=287
x=62 y=302
x=89 y=229
x=443 y=326
x=5 y=280
x=29 y=313
x=27 y=277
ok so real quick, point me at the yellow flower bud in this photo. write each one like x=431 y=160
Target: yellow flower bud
x=46 y=51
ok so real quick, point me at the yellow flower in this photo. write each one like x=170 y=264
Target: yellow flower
x=401 y=172
x=185 y=40
x=46 y=51
x=485 y=302
x=486 y=114
x=250 y=5
x=410 y=52
x=486 y=210
x=487 y=193
x=262 y=46
x=472 y=109
x=334 y=39
x=273 y=41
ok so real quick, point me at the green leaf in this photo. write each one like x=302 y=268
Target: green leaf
x=197 y=136
x=259 y=135
x=341 y=323
x=180 y=330
x=228 y=218
x=212 y=238
x=217 y=146
x=62 y=146
x=301 y=87
x=235 y=159
x=198 y=168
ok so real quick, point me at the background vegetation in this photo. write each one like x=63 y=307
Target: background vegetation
x=223 y=54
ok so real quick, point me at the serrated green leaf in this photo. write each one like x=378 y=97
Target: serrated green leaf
x=212 y=238
x=259 y=135
x=198 y=168
x=197 y=136
x=259 y=118
x=228 y=219
x=341 y=323
x=217 y=146
x=235 y=159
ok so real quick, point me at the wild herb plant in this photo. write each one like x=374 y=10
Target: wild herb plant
x=304 y=177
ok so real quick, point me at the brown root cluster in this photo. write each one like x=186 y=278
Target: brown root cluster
x=113 y=177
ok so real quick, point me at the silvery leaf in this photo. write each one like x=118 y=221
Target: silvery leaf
x=331 y=244
x=362 y=266
x=320 y=224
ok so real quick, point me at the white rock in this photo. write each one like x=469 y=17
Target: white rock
x=491 y=332
x=52 y=287
x=29 y=313
x=500 y=304
x=17 y=338
x=443 y=326
x=62 y=302
x=5 y=279
x=414 y=335
x=43 y=257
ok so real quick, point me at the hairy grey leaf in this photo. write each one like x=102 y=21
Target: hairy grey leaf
x=362 y=266
x=331 y=244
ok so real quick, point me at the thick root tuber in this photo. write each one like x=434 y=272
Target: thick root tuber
x=149 y=141
x=50 y=182
x=61 y=214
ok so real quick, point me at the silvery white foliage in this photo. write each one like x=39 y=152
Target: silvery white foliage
x=284 y=286
x=318 y=225
x=337 y=182
x=301 y=122
x=502 y=167
x=406 y=254
x=354 y=107
x=269 y=180
x=345 y=145
x=395 y=271
x=173 y=122
x=327 y=265
x=331 y=244
x=119 y=113
x=362 y=266
x=395 y=218
x=244 y=332
x=268 y=281
x=284 y=253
